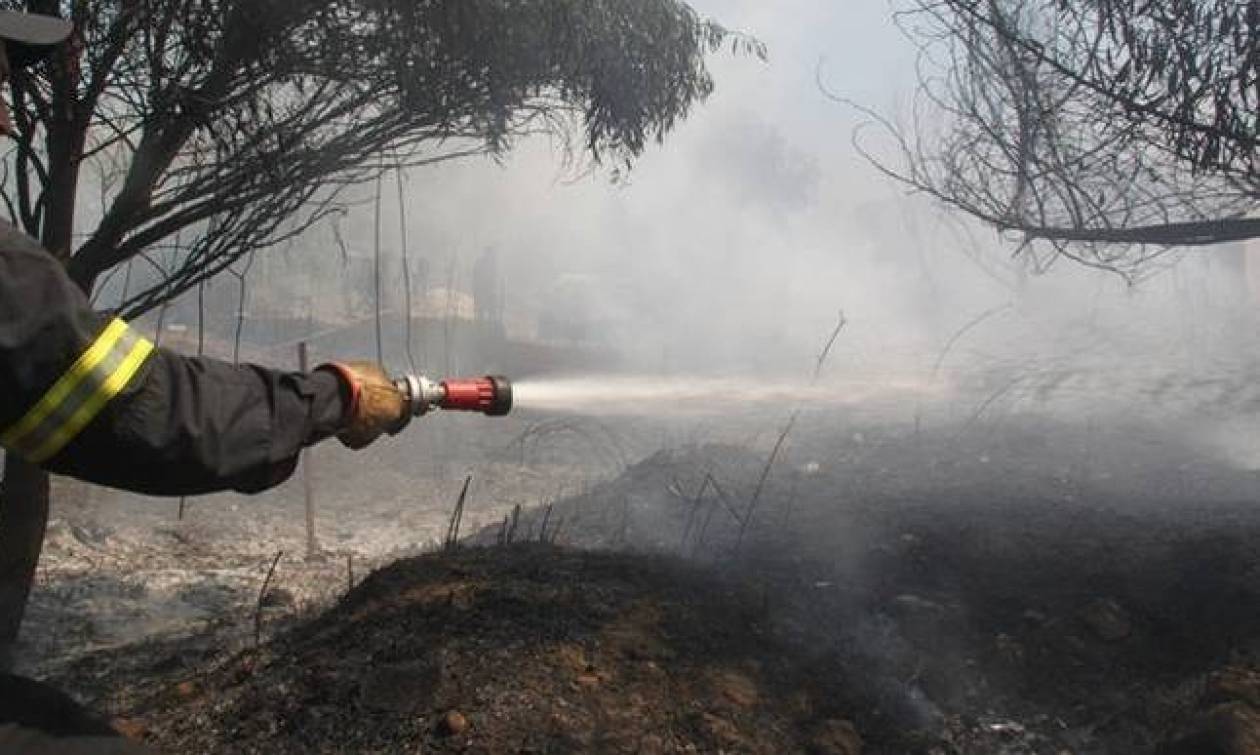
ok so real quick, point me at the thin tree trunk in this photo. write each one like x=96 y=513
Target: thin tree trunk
x=24 y=493
x=24 y=497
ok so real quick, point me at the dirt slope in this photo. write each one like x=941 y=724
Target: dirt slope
x=523 y=649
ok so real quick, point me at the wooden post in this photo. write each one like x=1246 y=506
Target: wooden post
x=312 y=547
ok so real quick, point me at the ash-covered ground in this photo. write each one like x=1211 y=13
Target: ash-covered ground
x=987 y=580
x=119 y=568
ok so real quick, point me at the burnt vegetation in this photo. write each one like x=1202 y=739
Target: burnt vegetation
x=1105 y=132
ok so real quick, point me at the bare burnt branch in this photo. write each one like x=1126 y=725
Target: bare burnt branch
x=1106 y=133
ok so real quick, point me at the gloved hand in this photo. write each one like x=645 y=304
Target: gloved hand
x=376 y=405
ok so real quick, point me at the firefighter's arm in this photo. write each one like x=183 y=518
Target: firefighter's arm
x=189 y=425
x=186 y=426
x=89 y=397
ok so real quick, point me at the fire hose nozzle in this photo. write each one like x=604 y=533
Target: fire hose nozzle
x=491 y=395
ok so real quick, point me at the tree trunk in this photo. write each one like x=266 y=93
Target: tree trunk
x=23 y=518
x=24 y=491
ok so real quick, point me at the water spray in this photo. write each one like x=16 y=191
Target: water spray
x=490 y=395
x=496 y=396
x=630 y=395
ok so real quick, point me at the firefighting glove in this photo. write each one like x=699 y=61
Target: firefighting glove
x=374 y=405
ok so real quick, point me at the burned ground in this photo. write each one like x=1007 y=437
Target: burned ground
x=520 y=649
x=1033 y=588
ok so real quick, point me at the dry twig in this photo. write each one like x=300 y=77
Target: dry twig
x=516 y=520
x=542 y=533
x=753 y=502
x=457 y=517
x=262 y=594
x=696 y=501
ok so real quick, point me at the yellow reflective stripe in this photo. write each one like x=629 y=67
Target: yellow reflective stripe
x=99 y=374
x=93 y=406
x=78 y=371
x=79 y=397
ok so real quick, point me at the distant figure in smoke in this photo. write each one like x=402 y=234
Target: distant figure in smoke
x=86 y=396
x=486 y=284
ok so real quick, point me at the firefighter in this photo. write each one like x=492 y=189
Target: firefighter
x=88 y=397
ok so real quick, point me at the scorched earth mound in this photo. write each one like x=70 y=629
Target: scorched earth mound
x=520 y=649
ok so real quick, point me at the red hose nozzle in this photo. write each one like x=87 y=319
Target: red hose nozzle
x=492 y=395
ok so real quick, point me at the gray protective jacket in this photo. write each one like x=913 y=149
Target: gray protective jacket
x=86 y=396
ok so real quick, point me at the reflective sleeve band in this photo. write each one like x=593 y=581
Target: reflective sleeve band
x=78 y=396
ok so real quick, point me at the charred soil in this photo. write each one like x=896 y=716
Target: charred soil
x=527 y=648
x=1017 y=592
